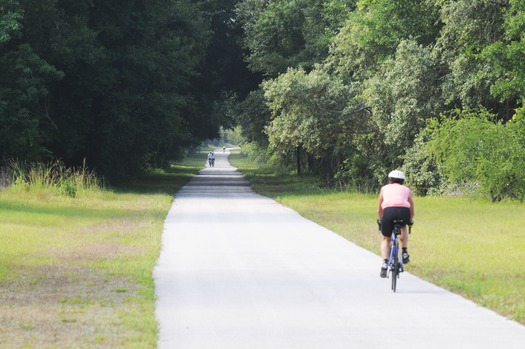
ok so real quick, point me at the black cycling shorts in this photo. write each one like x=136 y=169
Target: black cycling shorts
x=394 y=213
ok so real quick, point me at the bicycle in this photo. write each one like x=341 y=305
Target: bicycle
x=395 y=262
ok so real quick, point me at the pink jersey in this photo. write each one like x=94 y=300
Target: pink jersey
x=395 y=195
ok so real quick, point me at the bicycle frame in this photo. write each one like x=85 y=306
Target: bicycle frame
x=395 y=263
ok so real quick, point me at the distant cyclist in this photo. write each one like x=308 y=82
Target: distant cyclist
x=395 y=203
x=211 y=159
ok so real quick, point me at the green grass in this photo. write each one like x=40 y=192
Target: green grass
x=76 y=271
x=471 y=247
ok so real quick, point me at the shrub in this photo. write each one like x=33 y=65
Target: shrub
x=472 y=148
x=421 y=169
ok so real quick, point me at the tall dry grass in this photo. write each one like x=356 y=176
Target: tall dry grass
x=52 y=177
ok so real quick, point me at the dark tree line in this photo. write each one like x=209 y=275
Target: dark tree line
x=124 y=84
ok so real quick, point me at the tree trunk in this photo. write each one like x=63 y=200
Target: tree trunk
x=299 y=160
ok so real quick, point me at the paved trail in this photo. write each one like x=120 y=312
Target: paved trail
x=238 y=270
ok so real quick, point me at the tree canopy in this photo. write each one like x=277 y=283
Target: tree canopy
x=123 y=84
x=391 y=72
x=347 y=89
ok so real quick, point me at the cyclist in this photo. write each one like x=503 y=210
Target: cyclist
x=395 y=202
x=211 y=158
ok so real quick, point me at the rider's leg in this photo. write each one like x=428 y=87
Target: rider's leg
x=385 y=247
x=404 y=237
x=404 y=244
x=385 y=251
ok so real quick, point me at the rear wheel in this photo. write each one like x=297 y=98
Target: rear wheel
x=395 y=266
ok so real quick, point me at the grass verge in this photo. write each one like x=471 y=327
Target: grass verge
x=76 y=272
x=473 y=248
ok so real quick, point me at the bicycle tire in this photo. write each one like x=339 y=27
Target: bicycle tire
x=395 y=265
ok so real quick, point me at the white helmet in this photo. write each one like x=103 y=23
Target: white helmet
x=397 y=175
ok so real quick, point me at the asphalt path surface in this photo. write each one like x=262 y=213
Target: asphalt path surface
x=239 y=270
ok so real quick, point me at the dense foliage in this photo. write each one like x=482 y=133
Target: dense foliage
x=432 y=87
x=343 y=89
x=122 y=84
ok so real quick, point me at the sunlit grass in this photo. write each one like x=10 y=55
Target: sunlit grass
x=76 y=271
x=472 y=247
x=270 y=183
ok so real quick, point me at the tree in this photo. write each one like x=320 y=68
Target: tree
x=253 y=116
x=469 y=27
x=129 y=82
x=10 y=16
x=505 y=56
x=402 y=95
x=23 y=90
x=374 y=31
x=314 y=113
x=290 y=33
x=116 y=83
x=307 y=110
